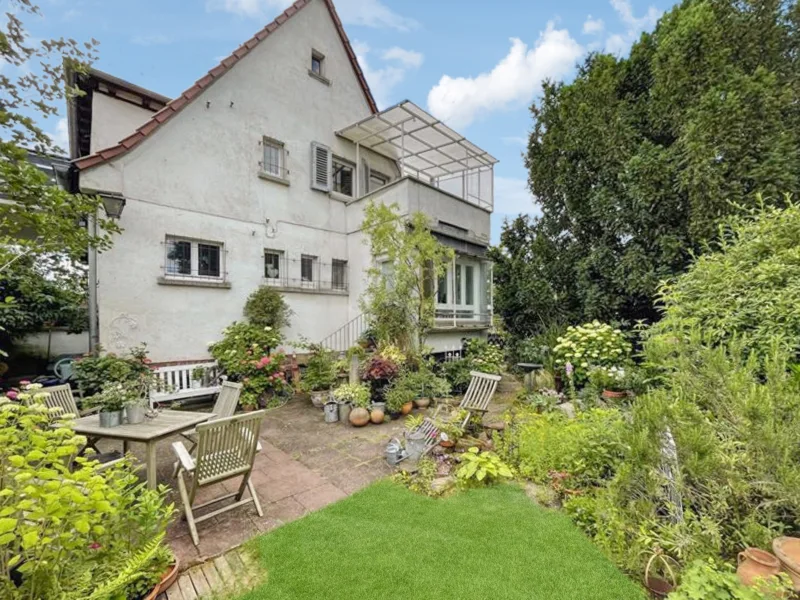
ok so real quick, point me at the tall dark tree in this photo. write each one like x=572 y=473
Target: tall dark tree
x=636 y=161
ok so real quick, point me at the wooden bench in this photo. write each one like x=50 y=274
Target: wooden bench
x=176 y=382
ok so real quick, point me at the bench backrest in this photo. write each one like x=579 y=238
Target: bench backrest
x=173 y=379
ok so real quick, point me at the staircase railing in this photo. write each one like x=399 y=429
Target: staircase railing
x=346 y=336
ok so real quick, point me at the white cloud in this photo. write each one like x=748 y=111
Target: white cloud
x=618 y=43
x=512 y=197
x=514 y=80
x=61 y=135
x=369 y=13
x=384 y=79
x=408 y=58
x=515 y=140
x=593 y=26
x=150 y=39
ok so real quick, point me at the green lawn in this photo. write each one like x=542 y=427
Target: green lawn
x=387 y=542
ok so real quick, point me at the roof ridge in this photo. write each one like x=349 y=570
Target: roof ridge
x=177 y=104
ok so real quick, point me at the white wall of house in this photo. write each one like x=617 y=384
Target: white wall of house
x=197 y=177
x=113 y=120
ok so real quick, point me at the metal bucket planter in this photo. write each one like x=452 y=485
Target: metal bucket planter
x=331 y=412
x=134 y=414
x=110 y=419
x=319 y=398
x=344 y=411
x=415 y=444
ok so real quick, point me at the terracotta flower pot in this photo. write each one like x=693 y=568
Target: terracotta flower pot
x=167 y=579
x=407 y=408
x=248 y=408
x=612 y=395
x=787 y=549
x=359 y=417
x=755 y=564
x=376 y=416
x=422 y=402
x=447 y=444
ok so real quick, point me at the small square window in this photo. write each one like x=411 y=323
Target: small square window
x=317 y=63
x=272 y=264
x=274 y=159
x=342 y=177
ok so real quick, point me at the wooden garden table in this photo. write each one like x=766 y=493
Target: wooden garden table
x=149 y=432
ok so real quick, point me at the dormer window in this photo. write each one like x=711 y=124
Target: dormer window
x=317 y=70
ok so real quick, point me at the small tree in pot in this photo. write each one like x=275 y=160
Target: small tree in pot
x=319 y=375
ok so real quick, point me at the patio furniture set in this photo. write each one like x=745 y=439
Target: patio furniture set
x=222 y=446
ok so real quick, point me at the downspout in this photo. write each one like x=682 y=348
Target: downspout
x=94 y=333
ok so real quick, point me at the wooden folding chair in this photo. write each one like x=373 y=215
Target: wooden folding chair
x=60 y=396
x=224 y=407
x=480 y=392
x=226 y=448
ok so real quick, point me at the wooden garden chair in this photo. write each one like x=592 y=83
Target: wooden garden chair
x=480 y=392
x=224 y=407
x=60 y=396
x=226 y=448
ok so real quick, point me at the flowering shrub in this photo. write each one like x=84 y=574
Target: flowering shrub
x=244 y=355
x=356 y=394
x=592 y=344
x=68 y=530
x=483 y=356
x=94 y=371
x=609 y=378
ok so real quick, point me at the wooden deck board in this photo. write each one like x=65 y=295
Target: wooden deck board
x=187 y=587
x=199 y=581
x=212 y=577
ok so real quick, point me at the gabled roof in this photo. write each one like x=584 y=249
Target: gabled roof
x=176 y=105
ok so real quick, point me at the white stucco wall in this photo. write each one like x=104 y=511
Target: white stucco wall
x=113 y=120
x=197 y=177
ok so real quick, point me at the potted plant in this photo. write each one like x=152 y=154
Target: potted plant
x=198 y=375
x=111 y=402
x=319 y=375
x=248 y=400
x=399 y=399
x=353 y=397
x=611 y=380
x=379 y=371
x=135 y=410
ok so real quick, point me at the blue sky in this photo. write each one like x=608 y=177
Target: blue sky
x=475 y=64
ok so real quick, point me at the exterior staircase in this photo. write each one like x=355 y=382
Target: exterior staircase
x=346 y=336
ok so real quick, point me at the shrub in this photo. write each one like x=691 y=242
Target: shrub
x=483 y=356
x=396 y=396
x=423 y=384
x=456 y=372
x=705 y=580
x=320 y=371
x=356 y=394
x=244 y=355
x=594 y=344
x=482 y=468
x=746 y=289
x=92 y=372
x=67 y=530
x=266 y=308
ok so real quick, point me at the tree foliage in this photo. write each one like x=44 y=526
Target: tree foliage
x=635 y=162
x=399 y=298
x=38 y=219
x=266 y=307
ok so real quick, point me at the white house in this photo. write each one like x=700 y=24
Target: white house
x=258 y=174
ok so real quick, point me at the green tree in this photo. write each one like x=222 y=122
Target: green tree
x=636 y=161
x=399 y=299
x=40 y=223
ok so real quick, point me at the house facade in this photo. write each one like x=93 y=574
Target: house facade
x=258 y=174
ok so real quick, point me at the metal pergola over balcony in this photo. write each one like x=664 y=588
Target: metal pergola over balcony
x=429 y=150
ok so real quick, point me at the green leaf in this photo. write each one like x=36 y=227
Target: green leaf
x=29 y=539
x=82 y=526
x=7 y=524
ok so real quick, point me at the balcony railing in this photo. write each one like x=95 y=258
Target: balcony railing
x=306 y=274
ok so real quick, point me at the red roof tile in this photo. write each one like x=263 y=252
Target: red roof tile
x=184 y=99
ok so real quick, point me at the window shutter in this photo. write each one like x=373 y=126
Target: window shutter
x=320 y=167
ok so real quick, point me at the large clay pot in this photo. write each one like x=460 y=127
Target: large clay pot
x=611 y=395
x=359 y=417
x=787 y=549
x=376 y=416
x=167 y=579
x=422 y=402
x=754 y=564
x=407 y=408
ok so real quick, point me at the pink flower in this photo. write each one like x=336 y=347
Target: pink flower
x=12 y=394
x=94 y=546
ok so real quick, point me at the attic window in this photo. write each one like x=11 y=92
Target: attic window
x=317 y=69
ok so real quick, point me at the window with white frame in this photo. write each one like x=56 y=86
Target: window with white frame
x=274 y=158
x=339 y=274
x=186 y=257
x=273 y=266
x=458 y=290
x=343 y=177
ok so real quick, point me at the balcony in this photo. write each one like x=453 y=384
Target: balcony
x=427 y=150
x=305 y=274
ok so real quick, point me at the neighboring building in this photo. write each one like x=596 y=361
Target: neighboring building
x=258 y=174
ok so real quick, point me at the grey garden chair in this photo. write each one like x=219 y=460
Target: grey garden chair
x=480 y=392
x=224 y=407
x=226 y=448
